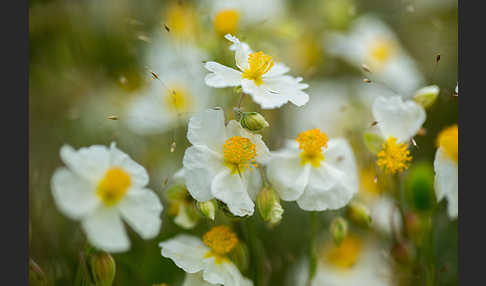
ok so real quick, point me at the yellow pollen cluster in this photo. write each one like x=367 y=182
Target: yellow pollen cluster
x=380 y=51
x=345 y=255
x=394 y=157
x=177 y=99
x=226 y=21
x=259 y=64
x=239 y=154
x=220 y=239
x=448 y=140
x=113 y=186
x=311 y=142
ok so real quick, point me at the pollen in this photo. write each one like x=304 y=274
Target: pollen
x=448 y=140
x=259 y=64
x=239 y=154
x=220 y=239
x=178 y=99
x=311 y=143
x=113 y=186
x=347 y=253
x=226 y=21
x=394 y=157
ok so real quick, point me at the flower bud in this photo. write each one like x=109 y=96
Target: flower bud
x=359 y=214
x=37 y=277
x=339 y=230
x=177 y=193
x=419 y=186
x=426 y=96
x=103 y=268
x=268 y=204
x=403 y=252
x=208 y=208
x=253 y=121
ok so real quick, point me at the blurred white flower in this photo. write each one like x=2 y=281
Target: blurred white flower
x=178 y=92
x=259 y=76
x=385 y=216
x=318 y=174
x=99 y=187
x=221 y=161
x=195 y=280
x=372 y=43
x=207 y=256
x=181 y=204
x=446 y=170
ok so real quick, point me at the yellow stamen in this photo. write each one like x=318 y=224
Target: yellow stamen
x=394 y=157
x=258 y=65
x=226 y=21
x=448 y=140
x=345 y=255
x=221 y=240
x=239 y=153
x=381 y=51
x=311 y=142
x=178 y=99
x=113 y=186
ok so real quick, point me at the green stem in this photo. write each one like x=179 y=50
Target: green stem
x=312 y=246
x=256 y=258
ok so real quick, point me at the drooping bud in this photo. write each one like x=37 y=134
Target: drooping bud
x=339 y=230
x=268 y=204
x=37 y=277
x=359 y=214
x=240 y=256
x=253 y=121
x=208 y=208
x=426 y=96
x=419 y=186
x=103 y=268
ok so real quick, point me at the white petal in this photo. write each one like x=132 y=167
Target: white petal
x=221 y=76
x=186 y=251
x=105 y=230
x=234 y=129
x=200 y=167
x=141 y=208
x=225 y=273
x=385 y=216
x=90 y=163
x=287 y=175
x=195 y=280
x=446 y=181
x=397 y=118
x=277 y=69
x=242 y=50
x=183 y=220
x=232 y=190
x=207 y=128
x=148 y=115
x=254 y=180
x=138 y=174
x=73 y=195
x=340 y=156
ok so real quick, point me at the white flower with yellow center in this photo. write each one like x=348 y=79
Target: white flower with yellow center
x=99 y=187
x=446 y=169
x=221 y=161
x=208 y=256
x=317 y=173
x=259 y=76
x=372 y=43
x=178 y=92
x=398 y=121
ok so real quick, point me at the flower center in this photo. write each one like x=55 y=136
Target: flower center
x=258 y=65
x=394 y=157
x=181 y=19
x=368 y=182
x=239 y=154
x=178 y=100
x=226 y=21
x=448 y=140
x=113 y=186
x=345 y=255
x=380 y=51
x=311 y=143
x=221 y=240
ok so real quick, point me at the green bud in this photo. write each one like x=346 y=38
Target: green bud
x=240 y=256
x=268 y=205
x=177 y=193
x=253 y=121
x=103 y=268
x=339 y=230
x=426 y=96
x=359 y=214
x=419 y=186
x=208 y=209
x=37 y=277
x=373 y=142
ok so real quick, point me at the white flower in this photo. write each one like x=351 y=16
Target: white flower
x=372 y=43
x=385 y=216
x=181 y=204
x=446 y=170
x=207 y=257
x=195 y=280
x=221 y=162
x=318 y=174
x=99 y=187
x=265 y=80
x=179 y=92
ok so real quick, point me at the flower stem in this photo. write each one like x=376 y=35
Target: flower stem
x=312 y=242
x=255 y=252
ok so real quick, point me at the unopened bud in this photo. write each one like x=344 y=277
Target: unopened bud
x=208 y=208
x=268 y=204
x=240 y=256
x=253 y=121
x=103 y=268
x=403 y=252
x=177 y=193
x=36 y=275
x=426 y=96
x=359 y=214
x=339 y=230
